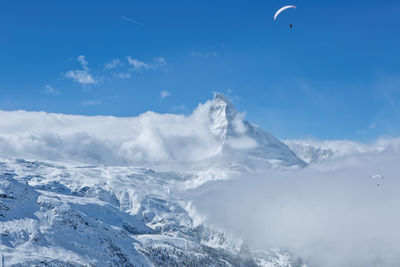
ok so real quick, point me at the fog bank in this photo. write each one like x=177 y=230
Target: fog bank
x=329 y=214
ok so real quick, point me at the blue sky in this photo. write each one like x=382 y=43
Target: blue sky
x=335 y=75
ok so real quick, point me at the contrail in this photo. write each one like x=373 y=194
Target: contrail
x=131 y=20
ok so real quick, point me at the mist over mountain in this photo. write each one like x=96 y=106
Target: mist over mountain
x=207 y=189
x=78 y=190
x=214 y=130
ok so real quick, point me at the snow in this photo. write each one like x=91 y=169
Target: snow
x=67 y=214
x=196 y=190
x=316 y=151
x=102 y=191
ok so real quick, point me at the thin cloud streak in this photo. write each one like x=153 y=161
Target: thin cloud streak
x=51 y=91
x=122 y=75
x=138 y=65
x=131 y=20
x=203 y=54
x=90 y=103
x=83 y=62
x=113 y=64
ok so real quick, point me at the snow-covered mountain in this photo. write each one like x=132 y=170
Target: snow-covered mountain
x=58 y=214
x=107 y=191
x=310 y=153
x=214 y=132
x=243 y=138
x=207 y=189
x=65 y=215
x=314 y=151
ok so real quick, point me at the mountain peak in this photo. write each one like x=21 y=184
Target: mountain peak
x=223 y=106
x=222 y=97
x=222 y=114
x=232 y=131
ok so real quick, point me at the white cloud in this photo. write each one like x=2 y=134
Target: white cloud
x=85 y=77
x=113 y=64
x=138 y=65
x=80 y=76
x=90 y=103
x=122 y=75
x=51 y=91
x=330 y=214
x=203 y=54
x=179 y=107
x=83 y=62
x=164 y=93
x=364 y=131
x=147 y=139
x=160 y=60
x=242 y=142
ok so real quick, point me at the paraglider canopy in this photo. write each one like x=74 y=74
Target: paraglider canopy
x=378 y=179
x=281 y=10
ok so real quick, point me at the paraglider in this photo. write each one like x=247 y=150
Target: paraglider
x=281 y=10
x=378 y=179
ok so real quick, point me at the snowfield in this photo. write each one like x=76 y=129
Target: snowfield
x=208 y=189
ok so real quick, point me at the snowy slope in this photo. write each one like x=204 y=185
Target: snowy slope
x=315 y=151
x=245 y=139
x=310 y=153
x=77 y=215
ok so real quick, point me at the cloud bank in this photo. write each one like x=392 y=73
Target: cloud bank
x=150 y=138
x=329 y=214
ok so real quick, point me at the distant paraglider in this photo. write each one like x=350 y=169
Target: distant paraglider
x=378 y=179
x=281 y=10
